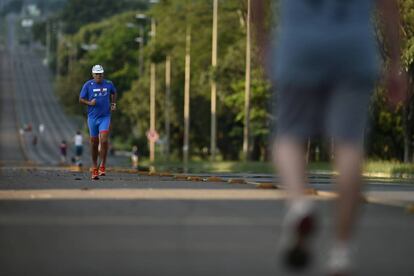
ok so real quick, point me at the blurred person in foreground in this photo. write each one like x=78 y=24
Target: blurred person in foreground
x=99 y=95
x=324 y=63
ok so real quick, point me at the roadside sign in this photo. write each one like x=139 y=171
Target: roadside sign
x=27 y=23
x=152 y=135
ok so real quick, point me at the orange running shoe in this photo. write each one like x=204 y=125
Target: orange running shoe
x=95 y=174
x=102 y=171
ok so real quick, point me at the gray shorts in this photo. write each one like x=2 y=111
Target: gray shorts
x=324 y=94
x=335 y=110
x=324 y=68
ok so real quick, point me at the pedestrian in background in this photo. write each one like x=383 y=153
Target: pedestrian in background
x=134 y=157
x=41 y=129
x=78 y=141
x=63 y=151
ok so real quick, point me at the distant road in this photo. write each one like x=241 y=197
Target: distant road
x=10 y=150
x=28 y=98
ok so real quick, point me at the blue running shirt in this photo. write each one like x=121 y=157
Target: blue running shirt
x=101 y=92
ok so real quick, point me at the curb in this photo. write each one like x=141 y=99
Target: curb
x=266 y=186
x=236 y=181
x=406 y=206
x=410 y=208
x=195 y=178
x=214 y=179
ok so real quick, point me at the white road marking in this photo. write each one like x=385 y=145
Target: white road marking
x=137 y=221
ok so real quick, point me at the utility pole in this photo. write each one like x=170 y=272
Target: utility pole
x=141 y=17
x=167 y=104
x=214 y=84
x=152 y=97
x=246 y=130
x=72 y=53
x=47 y=58
x=187 y=97
x=141 y=49
x=58 y=49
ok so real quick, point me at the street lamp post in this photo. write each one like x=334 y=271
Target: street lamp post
x=167 y=104
x=140 y=40
x=246 y=130
x=152 y=81
x=187 y=97
x=141 y=51
x=152 y=96
x=48 y=42
x=214 y=84
x=58 y=48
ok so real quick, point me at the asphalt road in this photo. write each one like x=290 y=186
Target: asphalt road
x=60 y=223
x=28 y=96
x=10 y=146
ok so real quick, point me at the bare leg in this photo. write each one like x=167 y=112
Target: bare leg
x=103 y=139
x=291 y=164
x=299 y=221
x=349 y=159
x=94 y=151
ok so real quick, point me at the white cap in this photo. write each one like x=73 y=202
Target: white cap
x=97 y=69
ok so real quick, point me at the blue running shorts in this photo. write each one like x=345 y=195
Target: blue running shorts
x=98 y=125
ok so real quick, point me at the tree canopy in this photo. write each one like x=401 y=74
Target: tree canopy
x=390 y=134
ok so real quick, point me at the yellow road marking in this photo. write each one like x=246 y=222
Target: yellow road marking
x=148 y=194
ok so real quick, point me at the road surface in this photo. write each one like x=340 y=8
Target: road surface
x=55 y=222
x=28 y=98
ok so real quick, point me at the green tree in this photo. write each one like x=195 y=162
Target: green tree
x=77 y=13
x=390 y=137
x=172 y=18
x=391 y=133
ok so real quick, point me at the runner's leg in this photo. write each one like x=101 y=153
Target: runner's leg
x=291 y=165
x=103 y=139
x=94 y=151
x=299 y=112
x=94 y=139
x=348 y=162
x=346 y=124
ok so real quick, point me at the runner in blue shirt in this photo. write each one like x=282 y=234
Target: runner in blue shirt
x=99 y=95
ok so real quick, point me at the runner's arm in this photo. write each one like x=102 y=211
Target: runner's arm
x=83 y=96
x=396 y=79
x=258 y=16
x=260 y=33
x=84 y=101
x=391 y=27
